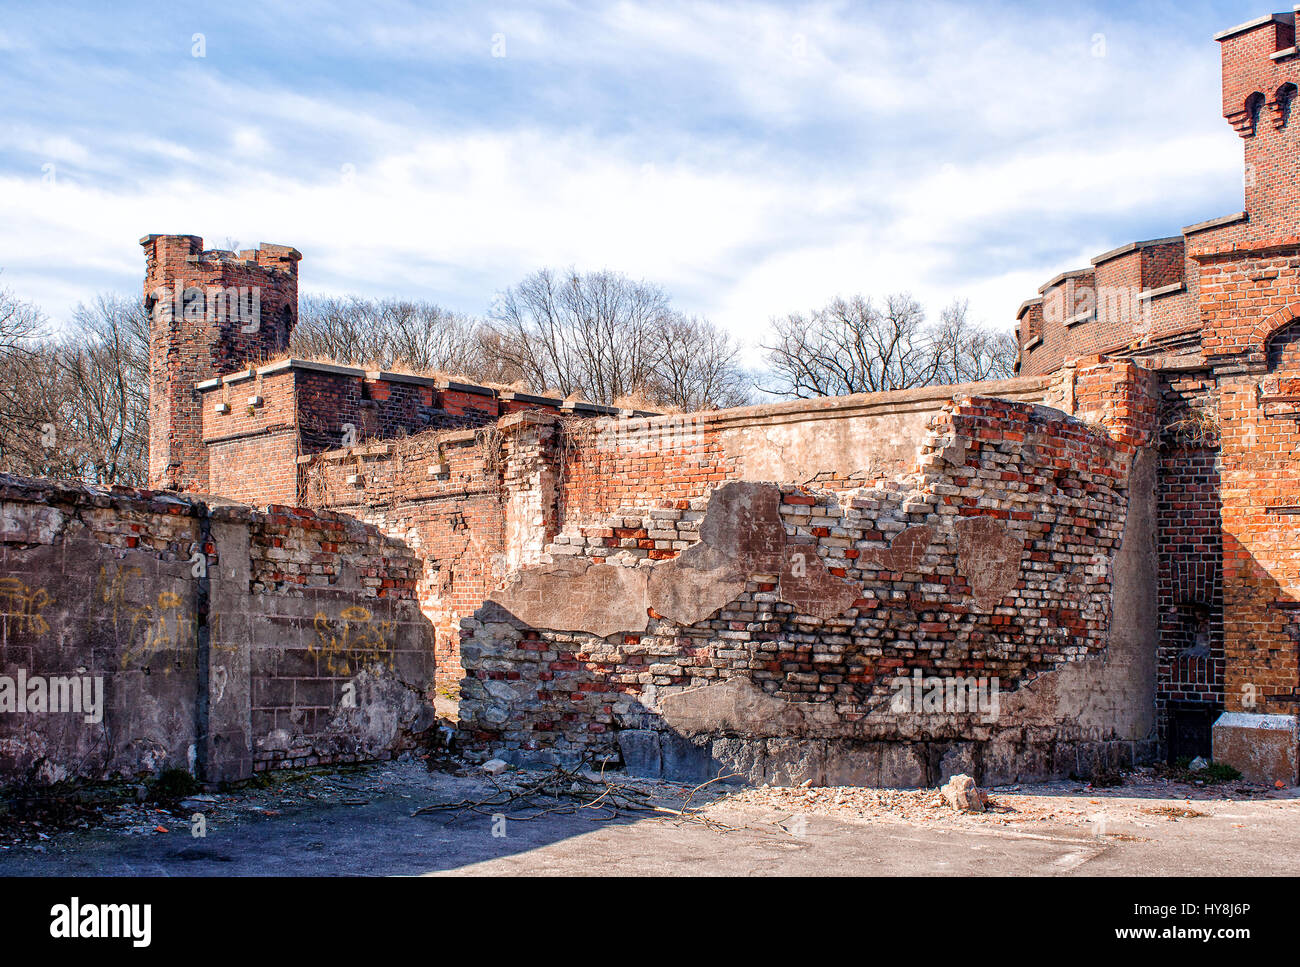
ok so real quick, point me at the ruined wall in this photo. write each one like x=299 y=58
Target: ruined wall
x=441 y=493
x=223 y=640
x=762 y=628
x=836 y=442
x=477 y=504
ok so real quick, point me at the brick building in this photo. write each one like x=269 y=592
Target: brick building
x=1110 y=533
x=1215 y=311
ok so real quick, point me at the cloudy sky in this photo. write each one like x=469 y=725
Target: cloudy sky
x=752 y=158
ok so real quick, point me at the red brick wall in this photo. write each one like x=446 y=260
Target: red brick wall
x=258 y=470
x=1261 y=559
x=1190 y=660
x=455 y=521
x=1272 y=184
x=606 y=465
x=1246 y=295
x=1120 y=322
x=253 y=448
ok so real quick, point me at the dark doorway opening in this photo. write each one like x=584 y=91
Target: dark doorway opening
x=1190 y=725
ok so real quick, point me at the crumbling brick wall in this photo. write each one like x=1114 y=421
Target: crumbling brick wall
x=763 y=627
x=225 y=640
x=479 y=503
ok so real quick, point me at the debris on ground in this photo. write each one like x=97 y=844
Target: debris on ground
x=1174 y=812
x=562 y=791
x=963 y=795
x=1041 y=804
x=45 y=821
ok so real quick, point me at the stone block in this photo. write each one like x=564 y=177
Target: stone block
x=957 y=759
x=684 y=759
x=902 y=765
x=744 y=757
x=641 y=756
x=852 y=764
x=1263 y=748
x=792 y=762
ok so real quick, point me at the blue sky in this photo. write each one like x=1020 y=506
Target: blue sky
x=752 y=158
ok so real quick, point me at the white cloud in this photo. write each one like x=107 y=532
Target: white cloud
x=250 y=143
x=791 y=154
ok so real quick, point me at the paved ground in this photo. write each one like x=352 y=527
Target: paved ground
x=360 y=822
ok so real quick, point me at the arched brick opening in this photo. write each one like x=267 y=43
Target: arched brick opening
x=1254 y=105
x=1281 y=343
x=1283 y=101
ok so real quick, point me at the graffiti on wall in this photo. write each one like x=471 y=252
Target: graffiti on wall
x=352 y=641
x=21 y=607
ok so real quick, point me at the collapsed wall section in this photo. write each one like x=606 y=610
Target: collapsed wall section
x=767 y=628
x=199 y=634
x=478 y=503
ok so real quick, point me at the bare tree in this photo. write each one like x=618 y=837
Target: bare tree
x=390 y=333
x=76 y=404
x=698 y=367
x=22 y=329
x=589 y=334
x=20 y=324
x=968 y=353
x=105 y=373
x=601 y=336
x=852 y=346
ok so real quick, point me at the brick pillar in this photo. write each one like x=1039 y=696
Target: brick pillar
x=211 y=313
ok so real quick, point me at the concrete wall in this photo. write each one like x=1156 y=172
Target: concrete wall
x=220 y=639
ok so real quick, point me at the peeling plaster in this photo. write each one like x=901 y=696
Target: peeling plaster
x=989 y=559
x=741 y=535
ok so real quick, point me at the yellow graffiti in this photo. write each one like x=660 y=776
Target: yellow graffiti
x=21 y=606
x=162 y=626
x=112 y=591
x=153 y=628
x=355 y=640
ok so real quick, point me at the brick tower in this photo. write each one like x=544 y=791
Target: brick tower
x=1260 y=74
x=210 y=313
